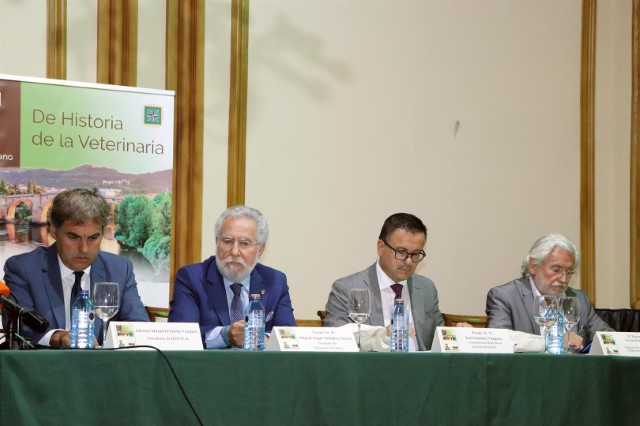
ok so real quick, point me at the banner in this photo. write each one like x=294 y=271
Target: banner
x=56 y=135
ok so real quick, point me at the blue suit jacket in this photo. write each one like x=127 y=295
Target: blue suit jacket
x=34 y=279
x=199 y=296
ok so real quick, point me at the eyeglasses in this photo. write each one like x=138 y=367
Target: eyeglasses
x=402 y=254
x=244 y=244
x=557 y=271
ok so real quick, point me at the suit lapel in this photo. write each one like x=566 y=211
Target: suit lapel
x=257 y=286
x=524 y=286
x=216 y=294
x=371 y=283
x=98 y=273
x=52 y=283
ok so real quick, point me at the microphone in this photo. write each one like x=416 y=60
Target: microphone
x=31 y=318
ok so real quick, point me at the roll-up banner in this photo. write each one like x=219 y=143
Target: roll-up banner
x=57 y=134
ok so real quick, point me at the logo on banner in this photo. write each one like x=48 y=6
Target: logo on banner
x=152 y=115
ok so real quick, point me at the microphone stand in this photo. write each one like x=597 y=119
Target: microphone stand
x=12 y=336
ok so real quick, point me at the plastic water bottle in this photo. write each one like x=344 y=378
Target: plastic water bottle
x=254 y=327
x=82 y=319
x=555 y=334
x=399 y=328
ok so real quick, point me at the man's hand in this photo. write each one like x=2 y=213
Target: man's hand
x=235 y=334
x=575 y=341
x=60 y=339
x=463 y=324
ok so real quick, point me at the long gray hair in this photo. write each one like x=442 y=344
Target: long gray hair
x=545 y=245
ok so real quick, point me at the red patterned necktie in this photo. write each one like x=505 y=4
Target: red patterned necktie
x=397 y=288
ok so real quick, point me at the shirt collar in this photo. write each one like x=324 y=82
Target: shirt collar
x=66 y=272
x=245 y=282
x=383 y=279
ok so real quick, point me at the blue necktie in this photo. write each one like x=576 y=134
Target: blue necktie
x=236 y=303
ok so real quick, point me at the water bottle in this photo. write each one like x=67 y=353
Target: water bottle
x=399 y=328
x=82 y=318
x=555 y=334
x=254 y=327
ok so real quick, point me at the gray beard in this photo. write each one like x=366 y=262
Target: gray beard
x=230 y=273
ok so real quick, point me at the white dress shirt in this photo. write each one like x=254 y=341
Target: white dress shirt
x=388 y=299
x=68 y=278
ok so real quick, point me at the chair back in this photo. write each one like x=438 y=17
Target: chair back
x=477 y=321
x=157 y=314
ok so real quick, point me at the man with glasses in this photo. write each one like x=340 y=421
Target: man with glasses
x=400 y=250
x=216 y=292
x=546 y=270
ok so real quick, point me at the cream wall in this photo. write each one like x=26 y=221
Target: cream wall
x=351 y=111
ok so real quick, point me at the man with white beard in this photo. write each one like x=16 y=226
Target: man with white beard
x=546 y=270
x=216 y=292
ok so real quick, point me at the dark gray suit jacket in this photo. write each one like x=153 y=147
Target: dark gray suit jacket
x=424 y=303
x=34 y=279
x=511 y=306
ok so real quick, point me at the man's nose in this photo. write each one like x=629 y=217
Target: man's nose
x=235 y=249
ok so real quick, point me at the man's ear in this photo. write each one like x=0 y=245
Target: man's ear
x=532 y=267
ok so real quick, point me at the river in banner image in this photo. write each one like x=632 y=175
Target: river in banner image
x=24 y=237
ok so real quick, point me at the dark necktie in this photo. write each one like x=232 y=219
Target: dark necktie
x=77 y=285
x=397 y=288
x=236 y=303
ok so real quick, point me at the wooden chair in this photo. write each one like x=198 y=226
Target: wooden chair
x=157 y=314
x=312 y=323
x=477 y=321
x=308 y=323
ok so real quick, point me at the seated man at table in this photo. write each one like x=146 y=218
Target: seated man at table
x=400 y=248
x=546 y=270
x=48 y=279
x=216 y=292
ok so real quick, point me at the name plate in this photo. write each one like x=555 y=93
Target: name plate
x=174 y=336
x=615 y=343
x=471 y=340
x=312 y=339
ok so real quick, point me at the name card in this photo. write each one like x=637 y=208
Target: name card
x=615 y=343
x=471 y=340
x=312 y=339
x=172 y=336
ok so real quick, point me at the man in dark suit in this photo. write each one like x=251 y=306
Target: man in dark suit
x=546 y=270
x=215 y=293
x=400 y=249
x=48 y=279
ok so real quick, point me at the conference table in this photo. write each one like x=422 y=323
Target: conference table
x=224 y=387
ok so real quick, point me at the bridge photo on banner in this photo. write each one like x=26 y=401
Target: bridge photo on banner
x=56 y=135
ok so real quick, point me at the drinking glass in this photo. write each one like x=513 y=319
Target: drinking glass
x=545 y=313
x=359 y=307
x=106 y=302
x=570 y=309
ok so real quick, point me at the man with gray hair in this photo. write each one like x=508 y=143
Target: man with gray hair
x=546 y=270
x=48 y=279
x=216 y=292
